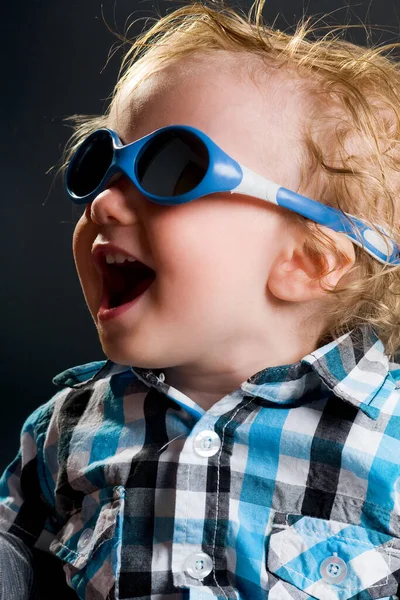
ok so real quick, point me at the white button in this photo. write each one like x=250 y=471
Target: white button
x=206 y=443
x=198 y=565
x=333 y=569
x=84 y=541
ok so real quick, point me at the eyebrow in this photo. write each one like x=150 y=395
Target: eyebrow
x=116 y=131
x=121 y=138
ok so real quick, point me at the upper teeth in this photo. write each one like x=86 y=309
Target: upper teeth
x=119 y=258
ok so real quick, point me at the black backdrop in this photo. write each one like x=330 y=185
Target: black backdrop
x=55 y=64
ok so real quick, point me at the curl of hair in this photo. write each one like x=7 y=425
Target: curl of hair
x=351 y=135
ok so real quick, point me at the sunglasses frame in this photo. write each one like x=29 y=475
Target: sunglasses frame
x=225 y=174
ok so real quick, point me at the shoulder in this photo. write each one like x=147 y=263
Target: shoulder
x=394 y=369
x=73 y=378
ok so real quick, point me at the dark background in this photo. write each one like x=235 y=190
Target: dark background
x=60 y=59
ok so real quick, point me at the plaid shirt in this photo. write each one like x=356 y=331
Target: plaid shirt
x=287 y=488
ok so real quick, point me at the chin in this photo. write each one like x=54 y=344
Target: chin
x=115 y=352
x=122 y=356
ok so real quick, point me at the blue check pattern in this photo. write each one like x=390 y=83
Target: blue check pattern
x=295 y=494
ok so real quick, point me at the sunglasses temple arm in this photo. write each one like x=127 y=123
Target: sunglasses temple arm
x=357 y=231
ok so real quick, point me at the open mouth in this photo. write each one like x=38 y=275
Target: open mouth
x=123 y=282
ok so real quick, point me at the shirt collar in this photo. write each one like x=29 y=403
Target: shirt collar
x=354 y=366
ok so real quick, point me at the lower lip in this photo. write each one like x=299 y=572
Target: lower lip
x=106 y=314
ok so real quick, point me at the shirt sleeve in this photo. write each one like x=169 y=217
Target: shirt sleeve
x=25 y=497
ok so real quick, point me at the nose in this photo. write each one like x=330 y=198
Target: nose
x=117 y=204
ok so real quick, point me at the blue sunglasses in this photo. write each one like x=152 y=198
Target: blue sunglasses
x=179 y=163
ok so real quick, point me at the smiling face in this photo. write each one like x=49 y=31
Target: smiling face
x=209 y=319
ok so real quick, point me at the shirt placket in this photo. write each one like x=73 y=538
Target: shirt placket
x=190 y=564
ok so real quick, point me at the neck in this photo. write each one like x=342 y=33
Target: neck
x=221 y=372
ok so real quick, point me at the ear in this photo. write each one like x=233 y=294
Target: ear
x=293 y=275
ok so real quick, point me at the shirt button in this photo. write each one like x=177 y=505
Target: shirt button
x=198 y=565
x=206 y=443
x=333 y=569
x=84 y=541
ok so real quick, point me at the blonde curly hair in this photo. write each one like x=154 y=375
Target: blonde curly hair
x=351 y=136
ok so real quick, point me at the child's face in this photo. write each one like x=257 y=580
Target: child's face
x=209 y=311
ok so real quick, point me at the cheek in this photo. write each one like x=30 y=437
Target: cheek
x=83 y=238
x=193 y=242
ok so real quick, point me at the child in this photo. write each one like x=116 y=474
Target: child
x=242 y=441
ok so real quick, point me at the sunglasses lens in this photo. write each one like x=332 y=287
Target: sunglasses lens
x=90 y=163
x=172 y=163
